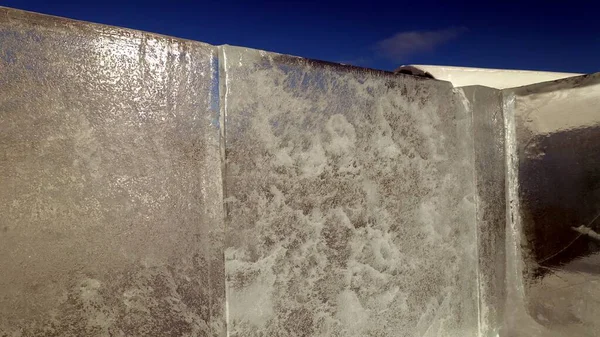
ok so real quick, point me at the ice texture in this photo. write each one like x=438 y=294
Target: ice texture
x=154 y=186
x=350 y=201
x=110 y=185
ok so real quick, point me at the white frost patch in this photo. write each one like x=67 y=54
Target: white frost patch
x=282 y=158
x=430 y=219
x=278 y=197
x=430 y=322
x=313 y=162
x=385 y=253
x=350 y=312
x=372 y=191
x=384 y=300
x=252 y=303
x=89 y=289
x=342 y=133
x=386 y=146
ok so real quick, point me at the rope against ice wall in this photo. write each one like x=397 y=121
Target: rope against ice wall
x=582 y=230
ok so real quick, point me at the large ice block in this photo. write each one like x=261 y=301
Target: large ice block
x=153 y=186
x=350 y=201
x=110 y=184
x=486 y=106
x=554 y=177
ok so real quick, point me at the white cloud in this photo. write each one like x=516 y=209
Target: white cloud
x=404 y=44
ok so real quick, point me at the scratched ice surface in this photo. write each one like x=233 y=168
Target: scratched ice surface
x=110 y=191
x=350 y=201
x=554 y=171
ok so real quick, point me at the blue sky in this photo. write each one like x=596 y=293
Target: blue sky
x=548 y=35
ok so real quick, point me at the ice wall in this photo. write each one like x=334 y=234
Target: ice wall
x=152 y=186
x=554 y=177
x=110 y=182
x=350 y=201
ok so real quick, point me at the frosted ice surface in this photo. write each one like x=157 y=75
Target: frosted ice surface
x=110 y=190
x=147 y=182
x=351 y=201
